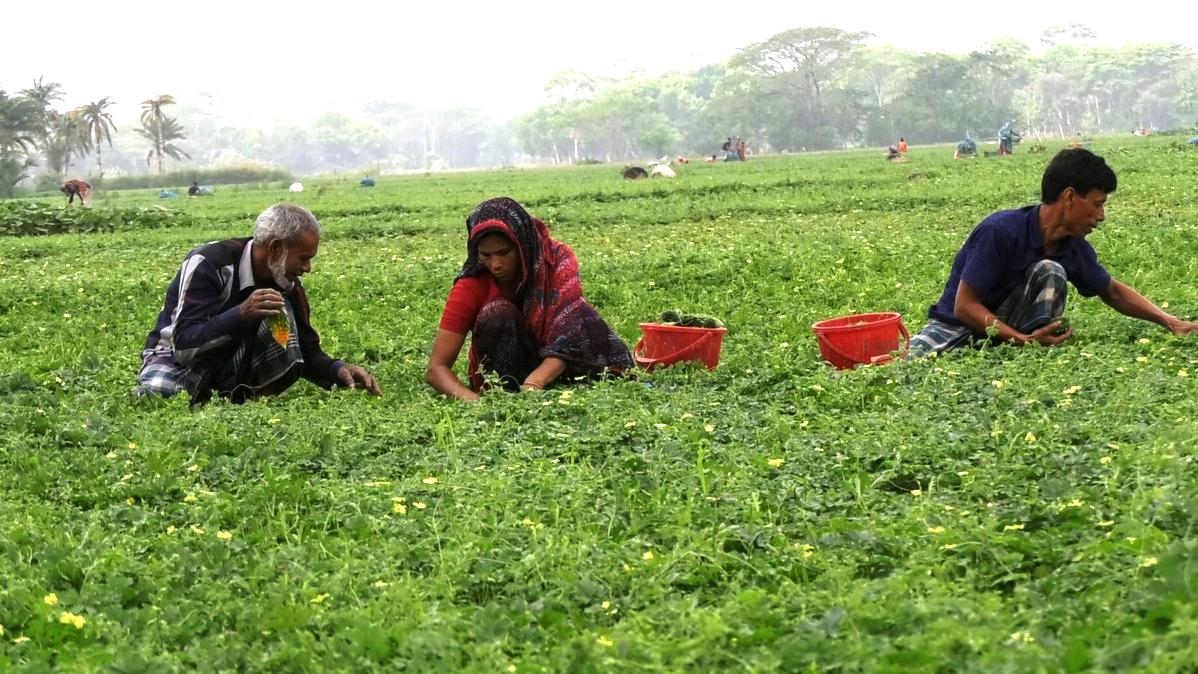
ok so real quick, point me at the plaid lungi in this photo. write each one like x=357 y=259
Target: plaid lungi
x=263 y=363
x=1033 y=305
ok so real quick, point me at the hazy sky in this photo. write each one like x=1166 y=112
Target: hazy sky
x=261 y=61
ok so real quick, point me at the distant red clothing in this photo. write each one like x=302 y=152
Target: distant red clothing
x=466 y=299
x=902 y=146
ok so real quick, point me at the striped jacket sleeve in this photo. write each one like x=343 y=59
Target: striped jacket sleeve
x=198 y=323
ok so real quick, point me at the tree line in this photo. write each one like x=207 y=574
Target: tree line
x=802 y=89
x=824 y=88
x=34 y=132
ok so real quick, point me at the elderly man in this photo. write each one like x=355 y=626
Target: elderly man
x=236 y=320
x=1008 y=280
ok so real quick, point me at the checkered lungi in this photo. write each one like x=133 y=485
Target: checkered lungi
x=1038 y=302
x=259 y=366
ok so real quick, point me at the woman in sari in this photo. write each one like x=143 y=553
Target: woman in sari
x=520 y=298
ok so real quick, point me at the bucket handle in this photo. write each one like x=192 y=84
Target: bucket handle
x=886 y=357
x=874 y=360
x=677 y=355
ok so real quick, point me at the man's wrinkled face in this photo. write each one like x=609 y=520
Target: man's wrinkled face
x=288 y=263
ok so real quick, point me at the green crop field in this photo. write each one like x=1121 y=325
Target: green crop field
x=996 y=510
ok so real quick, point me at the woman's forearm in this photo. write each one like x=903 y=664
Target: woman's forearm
x=546 y=373
x=443 y=380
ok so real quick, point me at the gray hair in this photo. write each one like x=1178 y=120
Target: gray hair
x=284 y=222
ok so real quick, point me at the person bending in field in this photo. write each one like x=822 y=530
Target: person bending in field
x=77 y=187
x=236 y=321
x=520 y=298
x=1009 y=277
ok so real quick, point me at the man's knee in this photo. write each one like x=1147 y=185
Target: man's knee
x=1048 y=267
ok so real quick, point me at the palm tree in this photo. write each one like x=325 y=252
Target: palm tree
x=19 y=126
x=160 y=130
x=99 y=126
x=42 y=96
x=19 y=131
x=69 y=138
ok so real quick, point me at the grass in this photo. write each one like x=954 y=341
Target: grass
x=996 y=510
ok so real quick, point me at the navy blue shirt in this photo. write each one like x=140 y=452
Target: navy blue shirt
x=995 y=258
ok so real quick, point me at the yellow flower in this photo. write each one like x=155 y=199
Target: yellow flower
x=130 y=501
x=1106 y=523
x=1021 y=637
x=629 y=424
x=190 y=498
x=949 y=546
x=1149 y=562
x=68 y=618
x=647 y=555
x=196 y=530
x=604 y=641
x=807 y=550
x=419 y=505
x=381 y=583
x=319 y=599
x=935 y=530
x=774 y=463
x=605 y=605
x=50 y=599
x=132 y=445
x=996 y=383
x=511 y=669
x=20 y=640
x=110 y=455
x=1143 y=340
x=1030 y=437
x=917 y=492
x=1013 y=527
x=273 y=420
x=1182 y=373
x=1104 y=460
x=709 y=428
x=429 y=480
x=399 y=508
x=1071 y=390
x=1141 y=359
x=1075 y=503
x=224 y=535
x=1 y=630
x=171 y=529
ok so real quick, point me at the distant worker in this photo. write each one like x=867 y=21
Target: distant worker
x=740 y=148
x=902 y=146
x=893 y=154
x=77 y=187
x=194 y=190
x=635 y=173
x=966 y=149
x=366 y=182
x=1007 y=137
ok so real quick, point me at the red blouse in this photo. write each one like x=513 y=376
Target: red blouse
x=466 y=299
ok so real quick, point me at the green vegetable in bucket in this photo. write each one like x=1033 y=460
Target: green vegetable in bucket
x=676 y=317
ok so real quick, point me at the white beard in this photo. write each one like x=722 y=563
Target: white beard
x=278 y=269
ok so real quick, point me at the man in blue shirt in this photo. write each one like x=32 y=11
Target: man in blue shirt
x=236 y=320
x=1008 y=280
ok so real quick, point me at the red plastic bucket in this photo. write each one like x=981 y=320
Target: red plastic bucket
x=668 y=344
x=860 y=339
